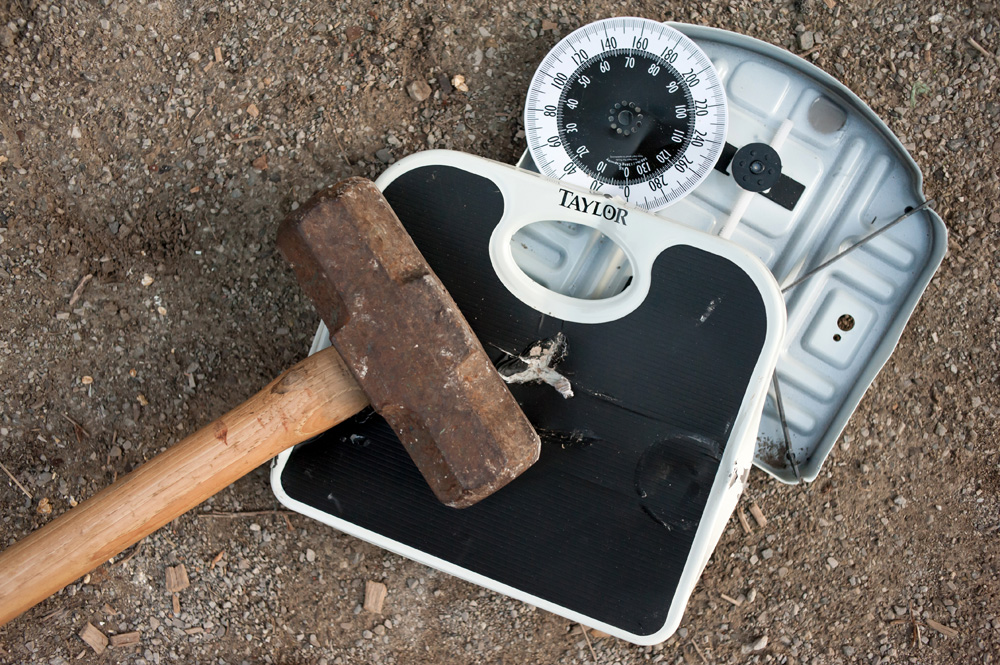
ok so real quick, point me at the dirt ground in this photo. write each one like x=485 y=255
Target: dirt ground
x=130 y=152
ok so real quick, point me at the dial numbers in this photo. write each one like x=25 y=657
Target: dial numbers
x=628 y=107
x=642 y=126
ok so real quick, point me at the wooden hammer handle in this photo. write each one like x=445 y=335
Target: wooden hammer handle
x=309 y=398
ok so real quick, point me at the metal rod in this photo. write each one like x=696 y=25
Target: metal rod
x=784 y=427
x=859 y=243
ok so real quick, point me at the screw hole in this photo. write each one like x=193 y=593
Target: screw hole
x=836 y=338
x=845 y=322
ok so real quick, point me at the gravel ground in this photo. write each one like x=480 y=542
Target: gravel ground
x=155 y=145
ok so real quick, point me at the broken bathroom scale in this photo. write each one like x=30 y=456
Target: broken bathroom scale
x=706 y=255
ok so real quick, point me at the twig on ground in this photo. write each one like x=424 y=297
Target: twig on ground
x=735 y=601
x=947 y=631
x=703 y=659
x=78 y=291
x=77 y=425
x=191 y=124
x=758 y=515
x=916 y=626
x=343 y=153
x=742 y=516
x=247 y=139
x=244 y=513
x=16 y=482
x=974 y=44
x=136 y=550
x=589 y=645
x=61 y=611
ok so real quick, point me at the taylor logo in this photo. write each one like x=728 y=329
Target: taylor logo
x=595 y=207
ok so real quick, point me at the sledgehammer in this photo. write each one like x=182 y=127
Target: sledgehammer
x=399 y=343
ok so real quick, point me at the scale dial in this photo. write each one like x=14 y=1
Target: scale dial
x=628 y=107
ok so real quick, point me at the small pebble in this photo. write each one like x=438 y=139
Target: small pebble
x=418 y=90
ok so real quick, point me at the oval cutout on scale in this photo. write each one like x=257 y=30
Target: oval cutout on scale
x=571 y=259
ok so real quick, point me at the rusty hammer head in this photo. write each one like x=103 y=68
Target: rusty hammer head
x=406 y=343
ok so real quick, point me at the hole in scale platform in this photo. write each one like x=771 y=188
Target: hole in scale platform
x=571 y=259
x=845 y=322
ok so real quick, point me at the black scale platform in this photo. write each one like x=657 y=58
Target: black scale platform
x=603 y=523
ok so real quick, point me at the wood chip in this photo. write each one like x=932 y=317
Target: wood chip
x=375 y=593
x=260 y=163
x=218 y=54
x=177 y=578
x=830 y=3
x=735 y=601
x=216 y=559
x=743 y=519
x=197 y=630
x=253 y=111
x=758 y=515
x=125 y=639
x=947 y=631
x=598 y=634
x=548 y=25
x=176 y=601
x=94 y=638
